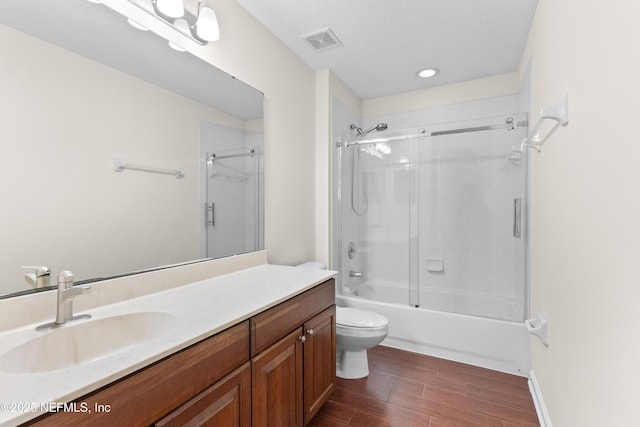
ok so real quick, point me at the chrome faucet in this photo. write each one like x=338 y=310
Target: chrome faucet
x=66 y=293
x=353 y=273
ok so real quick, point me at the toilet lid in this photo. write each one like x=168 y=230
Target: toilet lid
x=356 y=318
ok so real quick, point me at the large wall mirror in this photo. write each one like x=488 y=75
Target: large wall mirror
x=82 y=91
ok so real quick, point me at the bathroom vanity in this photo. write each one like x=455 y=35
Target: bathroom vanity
x=268 y=358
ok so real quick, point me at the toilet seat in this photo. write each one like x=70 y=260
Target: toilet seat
x=348 y=318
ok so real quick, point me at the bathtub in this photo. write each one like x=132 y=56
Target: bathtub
x=490 y=343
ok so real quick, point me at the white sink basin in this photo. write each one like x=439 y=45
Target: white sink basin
x=83 y=341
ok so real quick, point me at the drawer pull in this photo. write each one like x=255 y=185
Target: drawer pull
x=310 y=331
x=302 y=338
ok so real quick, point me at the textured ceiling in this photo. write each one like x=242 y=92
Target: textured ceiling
x=387 y=41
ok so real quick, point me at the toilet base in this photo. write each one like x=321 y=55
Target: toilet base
x=352 y=364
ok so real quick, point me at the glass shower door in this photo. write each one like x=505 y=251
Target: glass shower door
x=379 y=221
x=233 y=208
x=472 y=224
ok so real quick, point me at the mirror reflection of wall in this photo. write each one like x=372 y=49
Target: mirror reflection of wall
x=65 y=118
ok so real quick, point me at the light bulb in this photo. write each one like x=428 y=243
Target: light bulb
x=207 y=25
x=171 y=8
x=428 y=72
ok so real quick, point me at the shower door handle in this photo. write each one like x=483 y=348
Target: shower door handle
x=517 y=217
x=209 y=219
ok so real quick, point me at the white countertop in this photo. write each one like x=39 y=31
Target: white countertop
x=202 y=309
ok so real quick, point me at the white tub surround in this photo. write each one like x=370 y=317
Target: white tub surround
x=201 y=309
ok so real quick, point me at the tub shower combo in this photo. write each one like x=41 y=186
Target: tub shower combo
x=430 y=231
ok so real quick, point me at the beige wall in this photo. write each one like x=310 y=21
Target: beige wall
x=471 y=90
x=585 y=210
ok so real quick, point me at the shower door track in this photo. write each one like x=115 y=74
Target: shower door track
x=509 y=124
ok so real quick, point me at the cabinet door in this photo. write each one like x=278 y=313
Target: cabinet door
x=277 y=383
x=319 y=361
x=227 y=403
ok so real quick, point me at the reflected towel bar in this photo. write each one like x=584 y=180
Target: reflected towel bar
x=119 y=165
x=251 y=153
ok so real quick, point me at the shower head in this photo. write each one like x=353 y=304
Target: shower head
x=379 y=127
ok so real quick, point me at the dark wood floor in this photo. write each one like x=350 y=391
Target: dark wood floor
x=409 y=389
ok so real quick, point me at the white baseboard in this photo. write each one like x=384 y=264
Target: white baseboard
x=536 y=394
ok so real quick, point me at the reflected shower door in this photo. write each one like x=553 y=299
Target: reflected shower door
x=233 y=209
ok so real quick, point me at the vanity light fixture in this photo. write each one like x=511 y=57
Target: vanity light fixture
x=428 y=72
x=171 y=8
x=201 y=28
x=207 y=24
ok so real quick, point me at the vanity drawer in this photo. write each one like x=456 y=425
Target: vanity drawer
x=273 y=324
x=149 y=394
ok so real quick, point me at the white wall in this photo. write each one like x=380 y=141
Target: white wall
x=585 y=210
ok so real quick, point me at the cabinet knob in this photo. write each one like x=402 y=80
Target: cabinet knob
x=302 y=338
x=310 y=331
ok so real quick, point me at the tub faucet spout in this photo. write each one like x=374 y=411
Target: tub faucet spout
x=353 y=273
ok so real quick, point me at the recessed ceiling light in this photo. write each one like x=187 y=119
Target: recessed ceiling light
x=428 y=72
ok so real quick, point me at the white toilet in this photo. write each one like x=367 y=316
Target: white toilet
x=356 y=331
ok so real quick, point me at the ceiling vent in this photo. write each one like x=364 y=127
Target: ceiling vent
x=323 y=40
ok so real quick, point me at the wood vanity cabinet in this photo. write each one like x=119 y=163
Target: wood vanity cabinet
x=275 y=369
x=293 y=348
x=226 y=403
